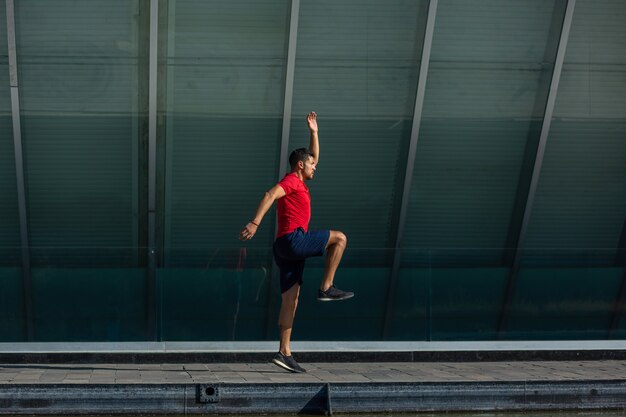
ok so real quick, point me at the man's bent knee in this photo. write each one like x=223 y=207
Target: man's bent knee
x=337 y=238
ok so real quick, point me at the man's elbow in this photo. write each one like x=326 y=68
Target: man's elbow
x=269 y=196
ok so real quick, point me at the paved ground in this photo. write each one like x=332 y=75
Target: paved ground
x=317 y=372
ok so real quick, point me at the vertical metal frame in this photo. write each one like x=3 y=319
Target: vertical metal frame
x=170 y=41
x=284 y=144
x=152 y=129
x=541 y=148
x=410 y=165
x=152 y=120
x=19 y=170
x=135 y=100
x=289 y=77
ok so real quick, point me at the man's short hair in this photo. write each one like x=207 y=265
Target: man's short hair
x=301 y=154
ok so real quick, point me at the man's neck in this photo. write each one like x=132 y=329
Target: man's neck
x=298 y=174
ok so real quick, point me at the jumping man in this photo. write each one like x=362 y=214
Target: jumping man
x=294 y=242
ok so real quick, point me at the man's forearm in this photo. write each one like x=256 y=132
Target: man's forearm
x=314 y=144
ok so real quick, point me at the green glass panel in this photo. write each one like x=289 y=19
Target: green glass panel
x=563 y=303
x=216 y=303
x=580 y=203
x=9 y=216
x=620 y=330
x=411 y=307
x=357 y=65
x=105 y=304
x=12 y=327
x=9 y=223
x=447 y=303
x=213 y=303
x=80 y=189
x=80 y=130
x=465 y=303
x=225 y=82
x=489 y=73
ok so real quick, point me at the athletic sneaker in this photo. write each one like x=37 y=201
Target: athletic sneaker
x=333 y=293
x=287 y=362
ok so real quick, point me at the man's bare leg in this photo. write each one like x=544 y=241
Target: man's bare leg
x=286 y=316
x=334 y=251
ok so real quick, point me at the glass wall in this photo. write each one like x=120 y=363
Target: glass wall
x=357 y=66
x=225 y=78
x=460 y=263
x=574 y=249
x=490 y=70
x=80 y=114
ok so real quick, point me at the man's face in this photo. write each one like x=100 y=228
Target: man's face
x=308 y=169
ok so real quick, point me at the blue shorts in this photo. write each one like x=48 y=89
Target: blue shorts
x=291 y=251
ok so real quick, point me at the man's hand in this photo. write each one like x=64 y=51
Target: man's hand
x=311 y=118
x=248 y=231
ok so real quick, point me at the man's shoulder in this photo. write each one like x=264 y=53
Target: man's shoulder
x=292 y=181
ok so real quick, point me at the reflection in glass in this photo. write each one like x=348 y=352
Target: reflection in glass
x=488 y=80
x=581 y=196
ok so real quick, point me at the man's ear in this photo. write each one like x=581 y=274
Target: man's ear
x=301 y=164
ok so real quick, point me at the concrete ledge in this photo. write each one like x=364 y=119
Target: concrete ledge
x=256 y=352
x=309 y=346
x=311 y=398
x=262 y=357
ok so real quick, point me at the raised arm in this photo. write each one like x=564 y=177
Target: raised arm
x=268 y=199
x=314 y=145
